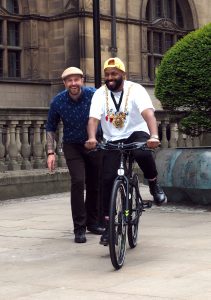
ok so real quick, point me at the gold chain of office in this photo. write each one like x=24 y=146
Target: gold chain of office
x=118 y=118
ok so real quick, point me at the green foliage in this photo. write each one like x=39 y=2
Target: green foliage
x=183 y=80
x=195 y=123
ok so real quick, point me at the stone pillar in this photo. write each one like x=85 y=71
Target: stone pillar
x=164 y=141
x=25 y=146
x=2 y=149
x=182 y=140
x=13 y=148
x=189 y=141
x=18 y=143
x=196 y=141
x=173 y=135
x=44 y=143
x=37 y=146
x=7 y=142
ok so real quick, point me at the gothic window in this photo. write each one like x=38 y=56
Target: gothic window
x=12 y=6
x=157 y=42
x=166 y=25
x=13 y=63
x=157 y=9
x=168 y=9
x=10 y=45
x=179 y=17
x=12 y=34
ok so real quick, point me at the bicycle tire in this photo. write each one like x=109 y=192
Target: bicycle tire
x=135 y=211
x=117 y=225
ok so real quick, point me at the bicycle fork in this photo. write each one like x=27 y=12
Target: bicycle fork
x=125 y=181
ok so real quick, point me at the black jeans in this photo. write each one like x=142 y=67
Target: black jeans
x=111 y=160
x=84 y=170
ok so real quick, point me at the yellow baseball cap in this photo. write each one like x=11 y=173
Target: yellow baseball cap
x=71 y=71
x=114 y=62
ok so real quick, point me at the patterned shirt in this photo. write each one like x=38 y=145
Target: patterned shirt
x=74 y=115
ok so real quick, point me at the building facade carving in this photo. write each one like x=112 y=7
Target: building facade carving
x=38 y=39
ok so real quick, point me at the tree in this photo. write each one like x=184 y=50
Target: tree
x=183 y=81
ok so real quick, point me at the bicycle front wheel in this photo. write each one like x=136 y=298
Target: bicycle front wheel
x=135 y=210
x=117 y=225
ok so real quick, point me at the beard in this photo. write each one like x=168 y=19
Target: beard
x=117 y=83
x=74 y=92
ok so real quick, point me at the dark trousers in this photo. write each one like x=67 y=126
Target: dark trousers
x=84 y=171
x=111 y=160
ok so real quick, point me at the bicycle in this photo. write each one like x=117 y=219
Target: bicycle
x=126 y=203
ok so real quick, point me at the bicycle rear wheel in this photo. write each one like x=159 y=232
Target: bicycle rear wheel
x=117 y=225
x=135 y=210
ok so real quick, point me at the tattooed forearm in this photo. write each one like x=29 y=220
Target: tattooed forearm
x=50 y=141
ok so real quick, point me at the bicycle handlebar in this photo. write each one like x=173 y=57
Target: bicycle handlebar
x=121 y=146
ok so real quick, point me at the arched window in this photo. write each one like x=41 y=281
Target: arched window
x=166 y=25
x=12 y=6
x=10 y=48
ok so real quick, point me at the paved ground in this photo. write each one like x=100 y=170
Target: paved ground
x=40 y=261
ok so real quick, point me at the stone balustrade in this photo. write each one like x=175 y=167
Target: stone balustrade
x=23 y=137
x=170 y=136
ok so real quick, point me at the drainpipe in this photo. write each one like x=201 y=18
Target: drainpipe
x=97 y=45
x=113 y=48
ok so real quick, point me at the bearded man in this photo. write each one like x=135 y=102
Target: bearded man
x=72 y=106
x=126 y=113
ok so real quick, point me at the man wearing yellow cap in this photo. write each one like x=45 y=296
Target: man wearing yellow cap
x=126 y=113
x=72 y=107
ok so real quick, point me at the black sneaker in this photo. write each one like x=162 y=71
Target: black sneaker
x=80 y=235
x=95 y=229
x=104 y=238
x=157 y=192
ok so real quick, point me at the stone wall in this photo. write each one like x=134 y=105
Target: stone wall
x=56 y=34
x=20 y=94
x=18 y=184
x=203 y=11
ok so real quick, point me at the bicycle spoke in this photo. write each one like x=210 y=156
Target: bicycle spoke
x=135 y=206
x=117 y=228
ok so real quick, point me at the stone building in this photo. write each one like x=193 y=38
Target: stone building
x=39 y=38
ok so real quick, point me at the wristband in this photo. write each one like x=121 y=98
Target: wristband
x=154 y=136
x=50 y=153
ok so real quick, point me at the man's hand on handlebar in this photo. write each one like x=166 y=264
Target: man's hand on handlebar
x=91 y=144
x=153 y=143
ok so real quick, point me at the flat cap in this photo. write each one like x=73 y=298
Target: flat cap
x=71 y=71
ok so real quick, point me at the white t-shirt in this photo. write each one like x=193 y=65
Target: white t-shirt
x=138 y=101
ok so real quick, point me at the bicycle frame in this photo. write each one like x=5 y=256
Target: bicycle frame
x=126 y=178
x=126 y=204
